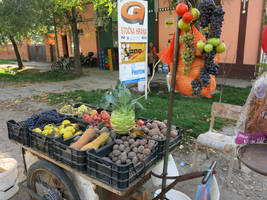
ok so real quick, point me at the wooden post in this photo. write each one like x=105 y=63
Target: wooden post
x=171 y=100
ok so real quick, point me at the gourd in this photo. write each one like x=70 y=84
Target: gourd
x=88 y=135
x=95 y=144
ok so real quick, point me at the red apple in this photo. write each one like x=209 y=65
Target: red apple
x=188 y=17
x=181 y=9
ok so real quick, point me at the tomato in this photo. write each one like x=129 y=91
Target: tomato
x=181 y=9
x=188 y=17
x=141 y=122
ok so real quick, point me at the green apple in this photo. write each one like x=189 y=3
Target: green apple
x=214 y=41
x=184 y=26
x=208 y=48
x=221 y=48
x=195 y=12
x=200 y=45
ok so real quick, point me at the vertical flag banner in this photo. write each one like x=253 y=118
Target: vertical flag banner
x=132 y=32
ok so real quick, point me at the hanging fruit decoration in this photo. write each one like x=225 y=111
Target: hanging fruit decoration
x=197 y=68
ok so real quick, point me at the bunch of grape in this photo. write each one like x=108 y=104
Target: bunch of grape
x=206 y=9
x=196 y=87
x=216 y=21
x=205 y=77
x=188 y=55
x=44 y=118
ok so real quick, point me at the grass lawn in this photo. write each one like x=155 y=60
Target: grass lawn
x=3 y=61
x=32 y=75
x=191 y=114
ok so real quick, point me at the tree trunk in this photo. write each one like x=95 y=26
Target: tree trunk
x=75 y=35
x=20 y=64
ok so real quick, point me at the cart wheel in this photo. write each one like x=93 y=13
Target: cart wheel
x=50 y=182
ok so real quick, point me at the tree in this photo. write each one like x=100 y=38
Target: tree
x=66 y=14
x=17 y=22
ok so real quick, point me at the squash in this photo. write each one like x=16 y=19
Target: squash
x=95 y=144
x=88 y=135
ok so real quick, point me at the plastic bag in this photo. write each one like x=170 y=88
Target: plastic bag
x=158 y=169
x=252 y=124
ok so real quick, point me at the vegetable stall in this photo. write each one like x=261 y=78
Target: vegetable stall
x=79 y=147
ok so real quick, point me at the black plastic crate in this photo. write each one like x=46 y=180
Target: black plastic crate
x=74 y=158
x=45 y=143
x=118 y=176
x=18 y=133
x=174 y=142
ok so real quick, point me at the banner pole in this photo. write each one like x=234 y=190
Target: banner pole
x=171 y=100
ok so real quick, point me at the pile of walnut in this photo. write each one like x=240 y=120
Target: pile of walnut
x=130 y=149
x=157 y=130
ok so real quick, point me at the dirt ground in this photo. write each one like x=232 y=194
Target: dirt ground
x=246 y=184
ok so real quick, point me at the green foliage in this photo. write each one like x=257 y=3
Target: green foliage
x=191 y=114
x=120 y=98
x=12 y=74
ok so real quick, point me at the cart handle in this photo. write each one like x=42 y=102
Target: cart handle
x=209 y=173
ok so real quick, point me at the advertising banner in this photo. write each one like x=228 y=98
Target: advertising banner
x=132 y=35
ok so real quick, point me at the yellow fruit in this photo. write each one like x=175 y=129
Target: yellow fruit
x=66 y=122
x=78 y=132
x=45 y=132
x=61 y=127
x=67 y=134
x=37 y=130
x=56 y=129
x=48 y=126
x=70 y=128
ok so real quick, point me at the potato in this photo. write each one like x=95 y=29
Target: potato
x=141 y=149
x=146 y=145
x=157 y=122
x=154 y=131
x=118 y=141
x=164 y=131
x=114 y=159
x=133 y=135
x=143 y=142
x=121 y=147
x=124 y=138
x=155 y=137
x=150 y=146
x=135 y=160
x=126 y=144
x=135 y=149
x=161 y=135
x=151 y=142
x=131 y=155
x=174 y=133
x=123 y=159
x=147 y=151
x=116 y=152
x=123 y=154
x=141 y=157
x=128 y=161
x=127 y=149
x=135 y=144
x=165 y=121
x=162 y=125
x=173 y=127
x=115 y=147
x=154 y=125
x=145 y=129
x=149 y=125
x=131 y=141
x=118 y=162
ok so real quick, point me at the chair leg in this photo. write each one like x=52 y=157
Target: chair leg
x=195 y=157
x=230 y=170
x=207 y=153
x=239 y=164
